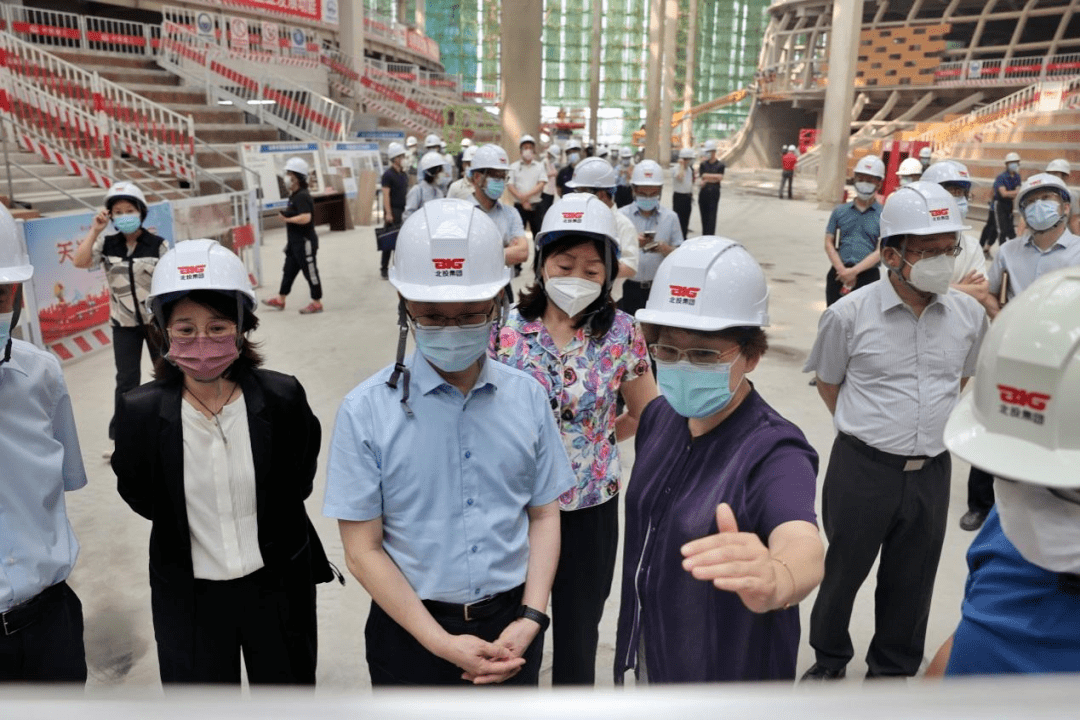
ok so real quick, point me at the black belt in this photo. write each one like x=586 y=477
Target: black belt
x=907 y=463
x=26 y=614
x=643 y=285
x=478 y=610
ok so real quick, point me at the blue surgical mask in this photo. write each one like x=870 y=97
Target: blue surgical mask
x=1042 y=214
x=962 y=203
x=5 y=331
x=494 y=189
x=647 y=204
x=573 y=158
x=695 y=391
x=1012 y=167
x=452 y=349
x=127 y=224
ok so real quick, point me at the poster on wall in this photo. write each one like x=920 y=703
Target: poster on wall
x=69 y=300
x=270 y=36
x=310 y=10
x=204 y=24
x=355 y=169
x=238 y=34
x=267 y=160
x=330 y=12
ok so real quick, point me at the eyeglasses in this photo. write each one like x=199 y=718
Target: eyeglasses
x=696 y=356
x=954 y=251
x=213 y=329
x=468 y=321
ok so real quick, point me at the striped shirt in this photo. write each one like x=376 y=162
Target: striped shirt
x=899 y=375
x=858 y=230
x=128 y=274
x=1024 y=262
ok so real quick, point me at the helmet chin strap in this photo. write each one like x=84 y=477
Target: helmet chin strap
x=400 y=370
x=16 y=311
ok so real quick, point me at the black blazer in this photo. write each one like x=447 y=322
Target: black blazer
x=285 y=436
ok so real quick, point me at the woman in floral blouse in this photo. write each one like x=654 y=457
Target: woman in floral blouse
x=567 y=333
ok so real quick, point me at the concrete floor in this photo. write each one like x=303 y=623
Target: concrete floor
x=332 y=352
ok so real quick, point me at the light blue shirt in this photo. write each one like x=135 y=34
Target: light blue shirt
x=39 y=460
x=419 y=194
x=668 y=231
x=506 y=218
x=1025 y=262
x=453 y=484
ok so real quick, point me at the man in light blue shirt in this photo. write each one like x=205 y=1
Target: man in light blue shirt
x=41 y=624
x=658 y=229
x=444 y=473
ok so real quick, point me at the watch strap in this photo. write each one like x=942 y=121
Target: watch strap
x=536 y=616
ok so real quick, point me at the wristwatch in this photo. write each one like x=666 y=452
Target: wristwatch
x=535 y=615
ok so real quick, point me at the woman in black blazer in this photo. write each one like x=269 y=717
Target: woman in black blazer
x=220 y=455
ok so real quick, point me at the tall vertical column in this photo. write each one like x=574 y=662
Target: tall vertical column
x=594 y=68
x=667 y=95
x=652 y=85
x=521 y=66
x=351 y=31
x=688 y=86
x=839 y=97
x=420 y=15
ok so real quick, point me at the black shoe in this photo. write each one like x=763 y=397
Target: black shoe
x=384 y=274
x=972 y=520
x=821 y=673
x=813 y=383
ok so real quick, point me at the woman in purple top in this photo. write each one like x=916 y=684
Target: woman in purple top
x=567 y=334
x=721 y=537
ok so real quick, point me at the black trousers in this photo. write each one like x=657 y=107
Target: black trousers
x=531 y=219
x=708 y=200
x=46 y=640
x=391 y=222
x=833 y=287
x=300 y=257
x=1003 y=215
x=590 y=538
x=980 y=490
x=127 y=353
x=396 y=658
x=270 y=615
x=869 y=505
x=682 y=203
x=634 y=296
x=623 y=196
x=786 y=177
x=546 y=201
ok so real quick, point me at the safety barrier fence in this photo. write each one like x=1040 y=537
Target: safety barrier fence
x=997 y=71
x=944 y=137
x=279 y=102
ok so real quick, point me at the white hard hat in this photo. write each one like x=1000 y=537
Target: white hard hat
x=573 y=144
x=431 y=159
x=1060 y=165
x=687 y=154
x=526 y=139
x=579 y=214
x=708 y=283
x=647 y=173
x=925 y=151
x=442 y=144
x=710 y=146
x=910 y=166
x=1041 y=181
x=449 y=251
x=470 y=151
x=593 y=172
x=15 y=264
x=466 y=142
x=871 y=165
x=198 y=265
x=432 y=140
x=625 y=152
x=602 y=151
x=1012 y=157
x=948 y=171
x=411 y=141
x=297 y=165
x=125 y=191
x=1021 y=419
x=490 y=157
x=394 y=149
x=554 y=151
x=920 y=208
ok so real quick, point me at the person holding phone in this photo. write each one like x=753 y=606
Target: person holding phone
x=658 y=232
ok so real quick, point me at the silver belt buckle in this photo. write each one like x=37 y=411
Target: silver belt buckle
x=913 y=465
x=467 y=618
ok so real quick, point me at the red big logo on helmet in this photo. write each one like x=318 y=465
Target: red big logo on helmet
x=683 y=291
x=1023 y=398
x=939 y=214
x=572 y=217
x=448 y=263
x=191 y=269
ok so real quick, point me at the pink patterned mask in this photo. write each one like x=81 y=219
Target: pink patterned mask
x=203 y=358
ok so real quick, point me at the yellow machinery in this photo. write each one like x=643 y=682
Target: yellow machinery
x=683 y=115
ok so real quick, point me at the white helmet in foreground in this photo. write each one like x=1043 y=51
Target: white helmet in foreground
x=490 y=157
x=15 y=264
x=708 y=283
x=449 y=251
x=921 y=208
x=593 y=172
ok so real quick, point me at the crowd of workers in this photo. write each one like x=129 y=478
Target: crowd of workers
x=519 y=405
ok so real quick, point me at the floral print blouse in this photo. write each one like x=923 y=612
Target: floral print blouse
x=582 y=381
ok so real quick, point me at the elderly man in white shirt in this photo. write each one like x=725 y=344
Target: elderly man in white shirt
x=527 y=179
x=891 y=359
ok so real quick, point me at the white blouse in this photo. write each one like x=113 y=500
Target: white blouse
x=219 y=491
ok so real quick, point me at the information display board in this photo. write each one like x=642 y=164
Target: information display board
x=355 y=169
x=267 y=160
